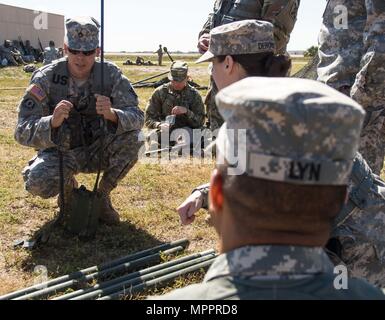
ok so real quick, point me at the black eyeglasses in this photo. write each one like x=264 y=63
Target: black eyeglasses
x=86 y=53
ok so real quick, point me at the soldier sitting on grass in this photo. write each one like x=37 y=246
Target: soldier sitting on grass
x=174 y=106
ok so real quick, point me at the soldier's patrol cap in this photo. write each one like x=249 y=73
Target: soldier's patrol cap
x=82 y=33
x=295 y=131
x=240 y=37
x=178 y=71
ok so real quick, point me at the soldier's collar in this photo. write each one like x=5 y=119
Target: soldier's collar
x=172 y=91
x=270 y=262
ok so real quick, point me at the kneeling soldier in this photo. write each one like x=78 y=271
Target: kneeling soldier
x=62 y=108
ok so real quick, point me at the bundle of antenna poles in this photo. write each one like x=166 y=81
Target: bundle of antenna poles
x=128 y=276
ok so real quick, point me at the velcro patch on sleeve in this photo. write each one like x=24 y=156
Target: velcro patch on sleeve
x=37 y=92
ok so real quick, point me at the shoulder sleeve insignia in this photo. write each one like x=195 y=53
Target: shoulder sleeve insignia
x=29 y=104
x=37 y=92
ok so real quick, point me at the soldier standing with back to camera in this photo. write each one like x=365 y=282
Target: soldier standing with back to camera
x=62 y=108
x=283 y=15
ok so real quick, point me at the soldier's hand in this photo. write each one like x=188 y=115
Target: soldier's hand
x=104 y=108
x=61 y=112
x=189 y=207
x=164 y=126
x=203 y=43
x=179 y=110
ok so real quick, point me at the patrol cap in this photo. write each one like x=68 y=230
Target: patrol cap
x=178 y=71
x=296 y=131
x=82 y=33
x=240 y=37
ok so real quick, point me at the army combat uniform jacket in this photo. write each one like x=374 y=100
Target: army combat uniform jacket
x=79 y=137
x=352 y=55
x=50 y=85
x=281 y=13
x=357 y=238
x=164 y=99
x=351 y=60
x=273 y=273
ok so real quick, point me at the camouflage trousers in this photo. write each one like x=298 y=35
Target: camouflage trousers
x=372 y=145
x=362 y=243
x=120 y=154
x=358 y=234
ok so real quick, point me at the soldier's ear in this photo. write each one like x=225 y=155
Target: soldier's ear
x=216 y=191
x=229 y=63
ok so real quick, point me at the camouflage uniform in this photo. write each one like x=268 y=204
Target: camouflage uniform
x=272 y=273
x=243 y=37
x=282 y=13
x=50 y=54
x=357 y=239
x=352 y=62
x=165 y=98
x=304 y=125
x=79 y=136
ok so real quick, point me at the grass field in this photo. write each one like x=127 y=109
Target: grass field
x=146 y=198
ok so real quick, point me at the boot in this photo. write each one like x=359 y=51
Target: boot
x=108 y=215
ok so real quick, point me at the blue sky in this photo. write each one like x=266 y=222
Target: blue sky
x=143 y=24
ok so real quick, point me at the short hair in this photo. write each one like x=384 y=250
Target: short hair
x=281 y=206
x=262 y=64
